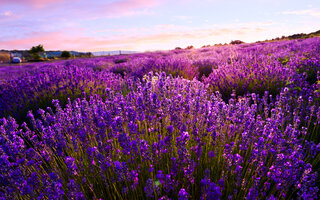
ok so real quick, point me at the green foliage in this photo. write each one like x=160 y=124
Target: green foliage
x=236 y=42
x=36 y=57
x=298 y=36
x=37 y=49
x=65 y=54
x=295 y=36
x=35 y=52
x=284 y=60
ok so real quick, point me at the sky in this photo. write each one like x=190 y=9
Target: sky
x=148 y=25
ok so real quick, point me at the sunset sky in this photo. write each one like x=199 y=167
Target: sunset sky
x=101 y=25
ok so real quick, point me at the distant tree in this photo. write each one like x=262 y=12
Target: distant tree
x=190 y=47
x=236 y=42
x=85 y=55
x=89 y=54
x=178 y=48
x=65 y=54
x=35 y=52
x=37 y=49
x=297 y=36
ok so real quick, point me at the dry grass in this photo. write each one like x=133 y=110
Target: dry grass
x=4 y=57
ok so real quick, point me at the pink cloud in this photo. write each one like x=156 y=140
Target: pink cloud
x=125 y=6
x=33 y=3
x=121 y=6
x=116 y=8
x=60 y=10
x=7 y=14
x=63 y=41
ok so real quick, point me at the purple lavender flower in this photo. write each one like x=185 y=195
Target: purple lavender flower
x=148 y=189
x=74 y=190
x=211 y=154
x=170 y=129
x=183 y=195
x=72 y=167
x=161 y=177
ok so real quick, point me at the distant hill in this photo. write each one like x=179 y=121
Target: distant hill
x=58 y=53
x=22 y=53
x=25 y=56
x=110 y=53
x=295 y=36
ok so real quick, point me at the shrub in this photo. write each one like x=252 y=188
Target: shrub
x=189 y=47
x=35 y=53
x=236 y=42
x=37 y=49
x=65 y=54
x=36 y=57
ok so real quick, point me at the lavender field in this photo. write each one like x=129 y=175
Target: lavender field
x=229 y=122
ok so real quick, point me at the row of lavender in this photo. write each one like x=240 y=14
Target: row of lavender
x=162 y=137
x=244 y=68
x=37 y=88
x=168 y=138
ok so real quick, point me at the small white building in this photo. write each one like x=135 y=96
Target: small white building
x=16 y=54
